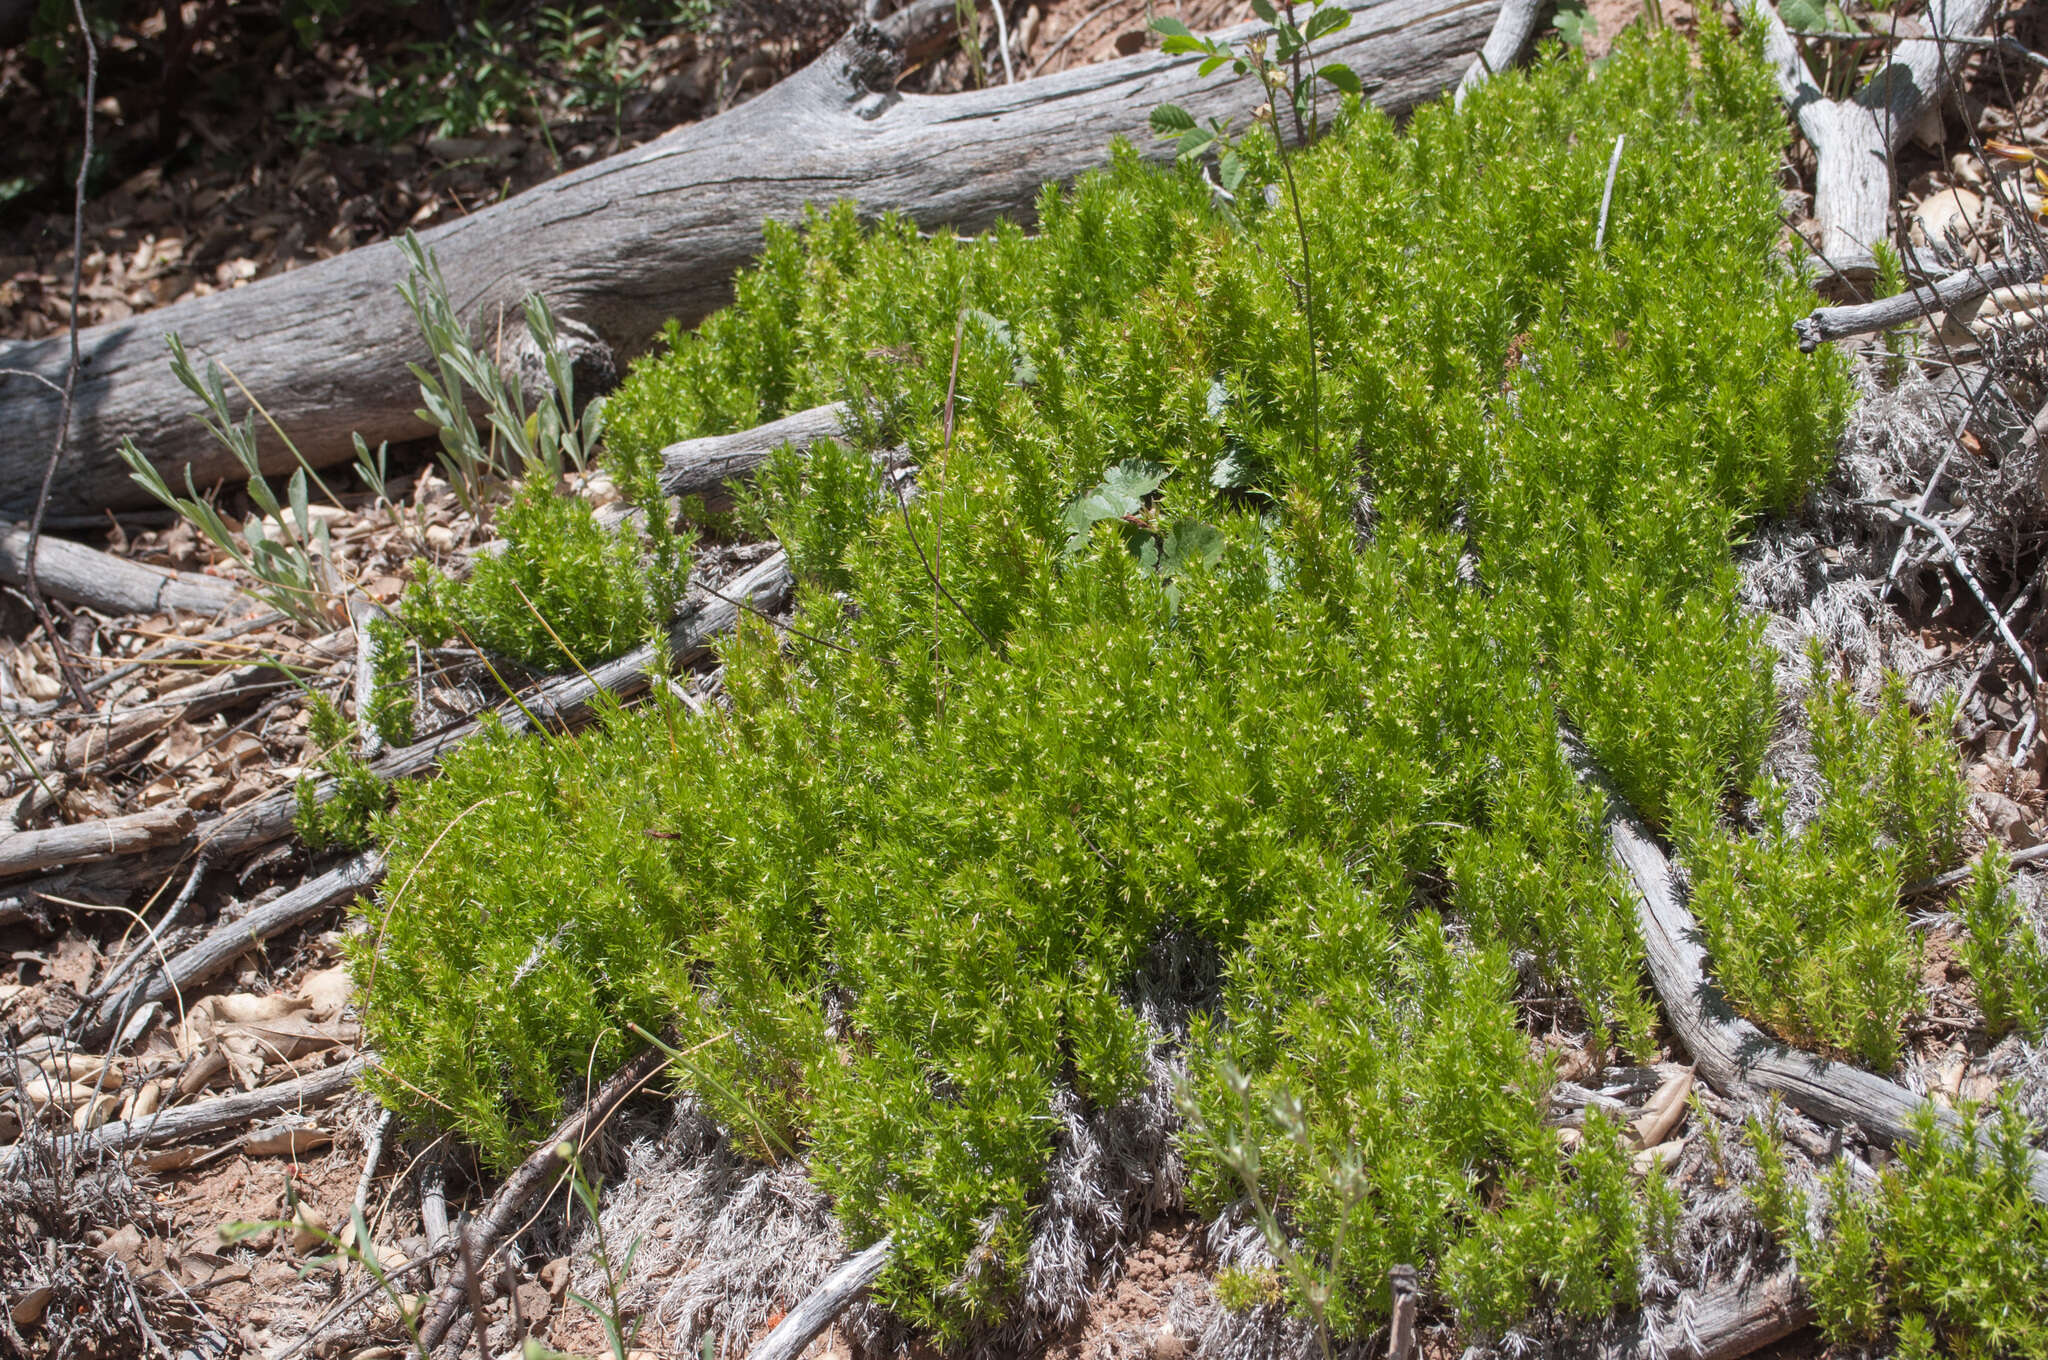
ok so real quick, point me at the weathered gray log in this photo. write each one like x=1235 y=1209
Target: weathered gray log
x=1728 y=1321
x=701 y=467
x=652 y=233
x=112 y=585
x=180 y=1122
x=26 y=851
x=1733 y=1055
x=566 y=699
x=217 y=952
x=801 y=1325
x=1854 y=140
x=1512 y=30
x=535 y=1176
x=1901 y=309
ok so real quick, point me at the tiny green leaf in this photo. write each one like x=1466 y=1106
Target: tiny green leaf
x=1575 y=24
x=1230 y=170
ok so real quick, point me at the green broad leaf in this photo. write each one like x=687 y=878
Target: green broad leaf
x=1208 y=68
x=1329 y=20
x=1575 y=24
x=1287 y=43
x=1230 y=473
x=1804 y=16
x=1230 y=170
x=1264 y=9
x=1195 y=140
x=1171 y=27
x=1121 y=492
x=1190 y=543
x=1341 y=76
x=1171 y=120
x=1176 y=45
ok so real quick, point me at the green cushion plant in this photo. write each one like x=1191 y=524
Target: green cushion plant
x=1198 y=685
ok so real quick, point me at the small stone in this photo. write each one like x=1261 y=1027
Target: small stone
x=1167 y=1345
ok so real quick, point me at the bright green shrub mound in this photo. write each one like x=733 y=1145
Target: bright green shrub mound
x=1197 y=688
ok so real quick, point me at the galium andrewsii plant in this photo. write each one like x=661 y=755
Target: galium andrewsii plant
x=1217 y=688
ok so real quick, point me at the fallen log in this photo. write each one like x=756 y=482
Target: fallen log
x=112 y=585
x=26 y=851
x=537 y=1174
x=214 y=954
x=1731 y=1320
x=566 y=699
x=1855 y=140
x=652 y=233
x=1733 y=1055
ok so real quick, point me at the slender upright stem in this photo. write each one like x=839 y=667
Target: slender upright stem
x=58 y=646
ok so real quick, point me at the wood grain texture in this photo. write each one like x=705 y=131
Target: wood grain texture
x=113 y=585
x=26 y=851
x=1727 y=1321
x=1733 y=1055
x=1863 y=318
x=801 y=1325
x=652 y=233
x=1854 y=140
x=702 y=467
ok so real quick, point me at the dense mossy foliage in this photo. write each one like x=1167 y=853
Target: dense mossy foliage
x=1946 y=1254
x=1803 y=923
x=1208 y=711
x=564 y=591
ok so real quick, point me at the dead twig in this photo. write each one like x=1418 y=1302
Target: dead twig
x=1955 y=556
x=538 y=1173
x=35 y=523
x=1864 y=318
x=230 y=941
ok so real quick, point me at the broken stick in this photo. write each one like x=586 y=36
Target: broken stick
x=1863 y=318
x=801 y=1325
x=110 y=838
x=540 y=1172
